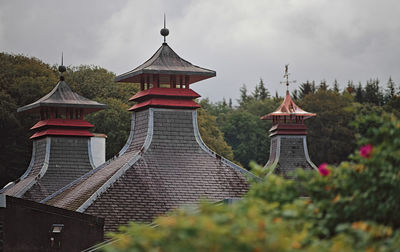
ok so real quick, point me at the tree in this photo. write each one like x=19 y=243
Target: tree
x=295 y=95
x=260 y=92
x=212 y=135
x=360 y=93
x=95 y=82
x=373 y=93
x=323 y=85
x=247 y=135
x=331 y=138
x=23 y=80
x=350 y=87
x=114 y=121
x=243 y=95
x=336 y=86
x=305 y=89
x=391 y=89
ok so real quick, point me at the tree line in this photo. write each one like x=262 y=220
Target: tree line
x=331 y=134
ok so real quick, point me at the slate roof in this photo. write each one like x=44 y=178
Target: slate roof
x=164 y=165
x=166 y=61
x=56 y=162
x=63 y=96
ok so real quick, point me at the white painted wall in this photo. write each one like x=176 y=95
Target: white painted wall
x=98 y=146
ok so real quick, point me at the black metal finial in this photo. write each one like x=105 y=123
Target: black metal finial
x=62 y=68
x=164 y=31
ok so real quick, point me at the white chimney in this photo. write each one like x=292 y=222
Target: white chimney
x=98 y=148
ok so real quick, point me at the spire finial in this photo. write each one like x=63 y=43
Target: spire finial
x=286 y=76
x=164 y=31
x=62 y=68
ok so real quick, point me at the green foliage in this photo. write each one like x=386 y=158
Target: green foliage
x=22 y=81
x=211 y=134
x=94 y=82
x=247 y=135
x=115 y=121
x=330 y=136
x=353 y=208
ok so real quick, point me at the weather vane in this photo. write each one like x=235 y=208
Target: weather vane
x=286 y=76
x=164 y=31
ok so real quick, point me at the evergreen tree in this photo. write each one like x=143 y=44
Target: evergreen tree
x=244 y=98
x=313 y=87
x=372 y=92
x=323 y=85
x=295 y=94
x=359 y=93
x=350 y=87
x=391 y=90
x=336 y=86
x=260 y=92
x=305 y=88
x=264 y=93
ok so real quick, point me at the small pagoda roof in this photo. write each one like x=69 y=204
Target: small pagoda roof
x=288 y=108
x=166 y=61
x=63 y=96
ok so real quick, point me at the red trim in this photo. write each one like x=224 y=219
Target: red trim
x=62 y=132
x=174 y=92
x=63 y=122
x=167 y=103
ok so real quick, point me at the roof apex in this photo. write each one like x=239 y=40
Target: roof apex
x=288 y=108
x=63 y=96
x=165 y=61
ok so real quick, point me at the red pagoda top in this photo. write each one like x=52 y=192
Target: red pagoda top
x=288 y=118
x=164 y=80
x=62 y=111
x=288 y=108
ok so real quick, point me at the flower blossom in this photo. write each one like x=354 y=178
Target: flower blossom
x=366 y=151
x=323 y=169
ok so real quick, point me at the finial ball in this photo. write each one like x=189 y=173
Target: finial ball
x=164 y=32
x=62 y=69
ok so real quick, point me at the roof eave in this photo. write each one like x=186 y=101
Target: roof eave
x=128 y=75
x=61 y=105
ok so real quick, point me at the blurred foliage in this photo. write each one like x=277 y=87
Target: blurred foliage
x=353 y=208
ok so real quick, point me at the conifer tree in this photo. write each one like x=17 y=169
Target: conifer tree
x=244 y=98
x=359 y=93
x=336 y=86
x=323 y=85
x=391 y=89
x=305 y=88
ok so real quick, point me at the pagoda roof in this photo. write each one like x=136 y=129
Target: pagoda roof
x=166 y=61
x=63 y=96
x=288 y=108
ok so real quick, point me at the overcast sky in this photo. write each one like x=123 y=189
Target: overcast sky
x=242 y=40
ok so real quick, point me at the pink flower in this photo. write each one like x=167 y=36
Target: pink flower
x=323 y=169
x=366 y=151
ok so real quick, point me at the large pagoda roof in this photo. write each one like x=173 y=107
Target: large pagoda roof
x=166 y=61
x=288 y=108
x=63 y=96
